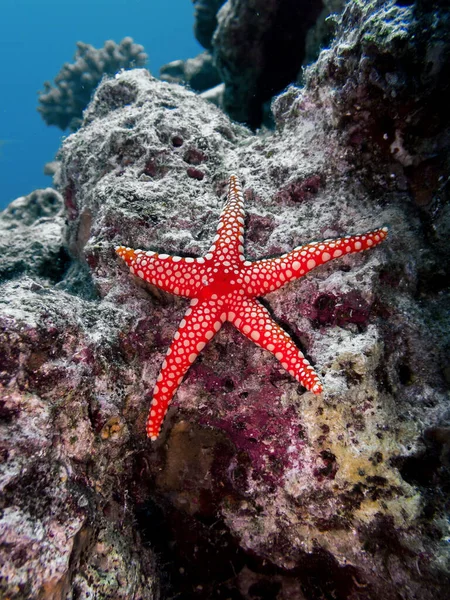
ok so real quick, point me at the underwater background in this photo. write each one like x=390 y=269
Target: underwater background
x=38 y=37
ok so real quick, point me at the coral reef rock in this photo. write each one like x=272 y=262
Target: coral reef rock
x=255 y=49
x=199 y=72
x=255 y=487
x=205 y=20
x=31 y=231
x=258 y=48
x=62 y=104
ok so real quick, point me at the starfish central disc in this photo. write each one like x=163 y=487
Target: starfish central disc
x=221 y=283
x=223 y=286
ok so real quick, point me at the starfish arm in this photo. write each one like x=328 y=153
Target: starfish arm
x=199 y=325
x=174 y=274
x=264 y=276
x=228 y=245
x=255 y=322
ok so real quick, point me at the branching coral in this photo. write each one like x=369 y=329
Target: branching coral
x=62 y=104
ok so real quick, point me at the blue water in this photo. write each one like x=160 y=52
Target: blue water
x=38 y=36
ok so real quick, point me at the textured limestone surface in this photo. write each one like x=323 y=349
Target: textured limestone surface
x=31 y=231
x=256 y=488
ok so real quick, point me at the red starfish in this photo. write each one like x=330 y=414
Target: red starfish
x=224 y=287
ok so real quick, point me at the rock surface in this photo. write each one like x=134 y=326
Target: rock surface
x=199 y=73
x=255 y=49
x=259 y=47
x=256 y=488
x=205 y=20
